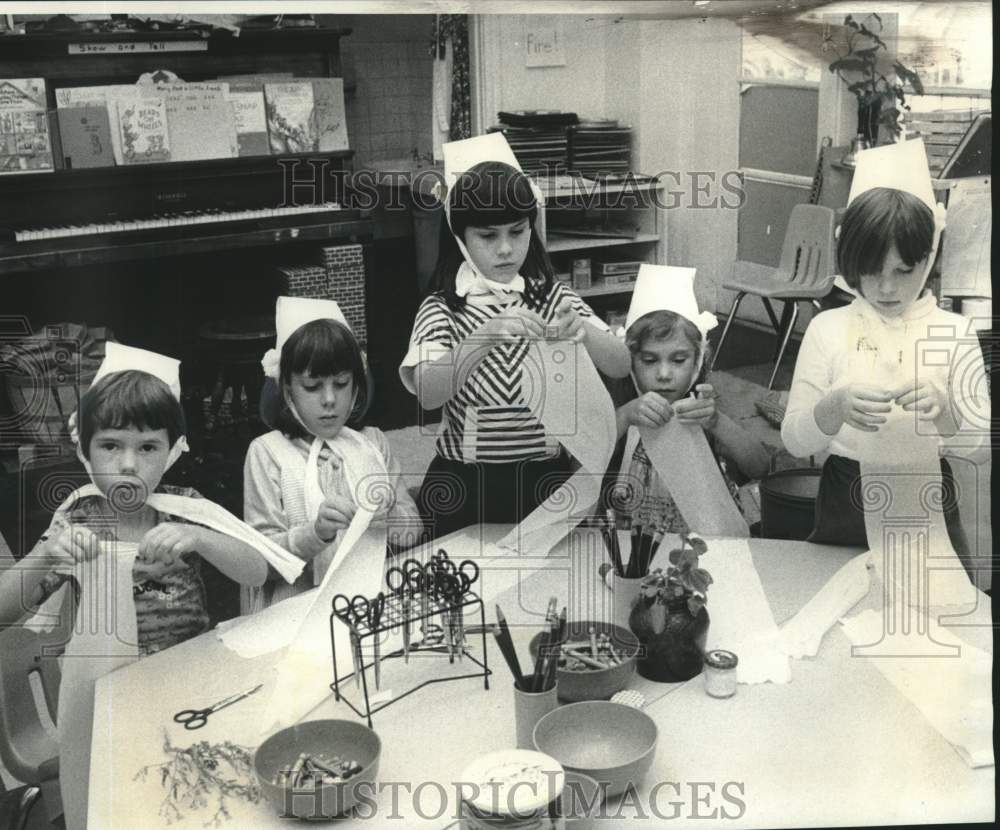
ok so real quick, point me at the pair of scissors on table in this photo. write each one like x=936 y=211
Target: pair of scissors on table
x=354 y=612
x=451 y=583
x=197 y=718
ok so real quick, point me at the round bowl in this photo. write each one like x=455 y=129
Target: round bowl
x=343 y=738
x=598 y=684
x=612 y=743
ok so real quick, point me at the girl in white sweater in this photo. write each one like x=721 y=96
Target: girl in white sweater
x=891 y=349
x=302 y=481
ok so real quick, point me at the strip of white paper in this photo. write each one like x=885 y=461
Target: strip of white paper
x=560 y=382
x=105 y=638
x=681 y=456
x=802 y=634
x=305 y=668
x=741 y=618
x=953 y=692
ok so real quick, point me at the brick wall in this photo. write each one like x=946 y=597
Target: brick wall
x=339 y=276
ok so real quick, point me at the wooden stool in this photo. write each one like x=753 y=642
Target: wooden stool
x=236 y=346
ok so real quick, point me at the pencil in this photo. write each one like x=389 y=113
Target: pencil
x=503 y=638
x=616 y=554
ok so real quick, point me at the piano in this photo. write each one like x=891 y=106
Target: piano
x=70 y=218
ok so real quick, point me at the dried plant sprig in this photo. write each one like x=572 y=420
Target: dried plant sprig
x=195 y=774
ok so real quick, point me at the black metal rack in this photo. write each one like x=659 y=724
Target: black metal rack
x=410 y=608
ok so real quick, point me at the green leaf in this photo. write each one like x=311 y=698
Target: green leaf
x=848 y=65
x=698 y=545
x=695 y=604
x=675 y=555
x=865 y=54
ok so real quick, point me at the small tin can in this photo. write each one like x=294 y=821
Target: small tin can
x=946 y=303
x=720 y=673
x=581 y=273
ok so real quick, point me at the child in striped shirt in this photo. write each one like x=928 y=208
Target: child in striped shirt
x=494 y=293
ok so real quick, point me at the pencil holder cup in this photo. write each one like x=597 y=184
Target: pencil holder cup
x=625 y=594
x=528 y=710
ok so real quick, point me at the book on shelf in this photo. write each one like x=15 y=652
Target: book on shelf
x=624 y=278
x=331 y=118
x=291 y=121
x=605 y=269
x=142 y=129
x=25 y=143
x=85 y=137
x=105 y=96
x=250 y=121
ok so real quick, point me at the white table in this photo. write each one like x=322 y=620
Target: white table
x=838 y=745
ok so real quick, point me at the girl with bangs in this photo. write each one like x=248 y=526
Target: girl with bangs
x=300 y=478
x=494 y=292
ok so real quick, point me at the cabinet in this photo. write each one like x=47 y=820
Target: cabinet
x=605 y=223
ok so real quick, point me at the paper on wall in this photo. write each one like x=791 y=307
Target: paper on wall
x=560 y=382
x=954 y=693
x=741 y=618
x=681 y=456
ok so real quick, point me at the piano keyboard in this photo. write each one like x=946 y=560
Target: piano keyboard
x=171 y=220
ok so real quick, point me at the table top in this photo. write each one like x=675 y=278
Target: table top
x=838 y=745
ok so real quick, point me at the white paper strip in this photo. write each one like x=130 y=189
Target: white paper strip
x=559 y=381
x=954 y=693
x=105 y=638
x=741 y=618
x=681 y=455
x=802 y=634
x=305 y=669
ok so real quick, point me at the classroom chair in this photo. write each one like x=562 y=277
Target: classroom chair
x=805 y=273
x=27 y=750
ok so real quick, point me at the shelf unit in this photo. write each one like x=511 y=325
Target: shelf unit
x=572 y=202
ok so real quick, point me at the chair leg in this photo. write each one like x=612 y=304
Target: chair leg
x=784 y=341
x=770 y=313
x=27 y=800
x=725 y=329
x=786 y=312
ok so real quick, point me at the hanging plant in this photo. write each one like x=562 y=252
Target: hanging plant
x=880 y=90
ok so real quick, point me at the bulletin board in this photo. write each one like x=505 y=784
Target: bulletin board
x=778 y=129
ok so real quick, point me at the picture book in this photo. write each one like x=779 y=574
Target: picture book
x=25 y=144
x=251 y=122
x=331 y=122
x=142 y=129
x=85 y=137
x=291 y=119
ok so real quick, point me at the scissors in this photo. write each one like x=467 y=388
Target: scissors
x=197 y=718
x=404 y=582
x=355 y=611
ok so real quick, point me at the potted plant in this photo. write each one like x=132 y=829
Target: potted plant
x=670 y=618
x=880 y=89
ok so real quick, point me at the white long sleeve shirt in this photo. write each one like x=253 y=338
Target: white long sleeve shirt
x=855 y=344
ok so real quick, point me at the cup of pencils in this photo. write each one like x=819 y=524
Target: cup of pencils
x=626 y=577
x=535 y=693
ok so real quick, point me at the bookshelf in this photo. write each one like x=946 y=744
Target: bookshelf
x=605 y=223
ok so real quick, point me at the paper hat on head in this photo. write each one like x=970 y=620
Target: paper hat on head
x=900 y=166
x=290 y=314
x=119 y=358
x=668 y=288
x=460 y=156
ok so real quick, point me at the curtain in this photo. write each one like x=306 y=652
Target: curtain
x=453 y=30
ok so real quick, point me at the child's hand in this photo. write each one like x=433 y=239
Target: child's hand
x=570 y=323
x=514 y=324
x=75 y=544
x=334 y=514
x=864 y=407
x=651 y=410
x=700 y=410
x=167 y=543
x=923 y=397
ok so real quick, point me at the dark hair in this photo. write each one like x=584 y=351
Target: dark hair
x=321 y=348
x=660 y=325
x=129 y=399
x=875 y=221
x=491 y=193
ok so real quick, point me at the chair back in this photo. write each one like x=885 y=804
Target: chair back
x=807 y=253
x=27 y=749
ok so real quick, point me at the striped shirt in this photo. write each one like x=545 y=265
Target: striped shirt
x=488 y=420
